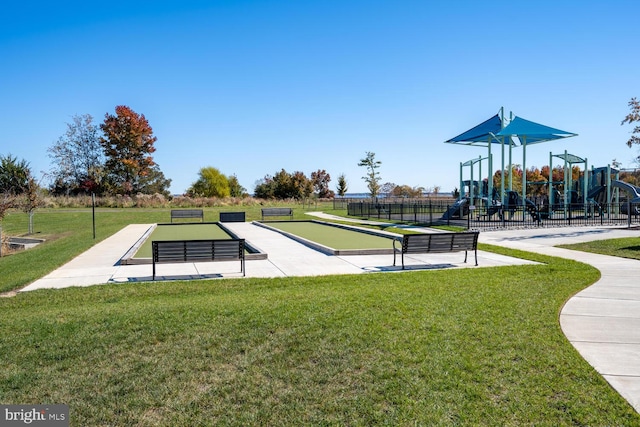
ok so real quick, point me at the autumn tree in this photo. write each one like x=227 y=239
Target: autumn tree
x=406 y=191
x=372 y=177
x=320 y=180
x=343 y=185
x=128 y=143
x=633 y=117
x=211 y=183
x=302 y=187
x=78 y=158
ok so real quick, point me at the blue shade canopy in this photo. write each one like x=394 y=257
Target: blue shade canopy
x=532 y=132
x=482 y=134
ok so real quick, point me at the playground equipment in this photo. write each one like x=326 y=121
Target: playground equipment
x=604 y=189
x=496 y=131
x=573 y=197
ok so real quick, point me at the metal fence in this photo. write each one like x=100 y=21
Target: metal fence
x=492 y=217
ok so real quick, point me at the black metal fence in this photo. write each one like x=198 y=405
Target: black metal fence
x=496 y=217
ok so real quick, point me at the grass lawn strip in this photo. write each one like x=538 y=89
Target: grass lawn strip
x=627 y=247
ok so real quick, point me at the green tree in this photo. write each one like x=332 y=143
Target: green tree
x=211 y=183
x=154 y=182
x=284 y=185
x=235 y=189
x=78 y=158
x=343 y=185
x=14 y=175
x=372 y=178
x=128 y=143
x=265 y=188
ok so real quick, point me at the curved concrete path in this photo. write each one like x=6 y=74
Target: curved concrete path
x=602 y=321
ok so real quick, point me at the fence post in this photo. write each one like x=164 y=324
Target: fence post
x=628 y=212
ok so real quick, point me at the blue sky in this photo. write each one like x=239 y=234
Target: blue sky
x=253 y=87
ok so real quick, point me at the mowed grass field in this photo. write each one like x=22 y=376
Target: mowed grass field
x=466 y=347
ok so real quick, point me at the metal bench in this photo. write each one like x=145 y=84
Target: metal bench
x=177 y=251
x=268 y=212
x=232 y=217
x=437 y=243
x=186 y=214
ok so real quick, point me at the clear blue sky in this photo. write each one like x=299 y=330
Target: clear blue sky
x=252 y=87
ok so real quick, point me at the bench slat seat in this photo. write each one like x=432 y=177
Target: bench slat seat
x=178 y=251
x=437 y=243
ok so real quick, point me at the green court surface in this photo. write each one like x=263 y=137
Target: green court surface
x=341 y=239
x=181 y=232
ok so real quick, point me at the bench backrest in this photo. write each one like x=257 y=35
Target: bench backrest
x=439 y=242
x=232 y=217
x=277 y=211
x=197 y=250
x=186 y=213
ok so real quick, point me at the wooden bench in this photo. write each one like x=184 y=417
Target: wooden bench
x=177 y=251
x=232 y=217
x=437 y=243
x=267 y=212
x=186 y=213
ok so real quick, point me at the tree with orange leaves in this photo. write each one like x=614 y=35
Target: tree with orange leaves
x=128 y=143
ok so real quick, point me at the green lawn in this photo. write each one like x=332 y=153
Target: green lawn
x=628 y=247
x=475 y=346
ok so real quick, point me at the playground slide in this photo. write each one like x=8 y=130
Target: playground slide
x=456 y=211
x=597 y=194
x=634 y=192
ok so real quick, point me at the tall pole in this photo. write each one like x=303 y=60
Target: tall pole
x=524 y=168
x=93 y=211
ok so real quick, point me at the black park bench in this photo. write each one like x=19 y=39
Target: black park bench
x=268 y=212
x=177 y=251
x=186 y=214
x=437 y=243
